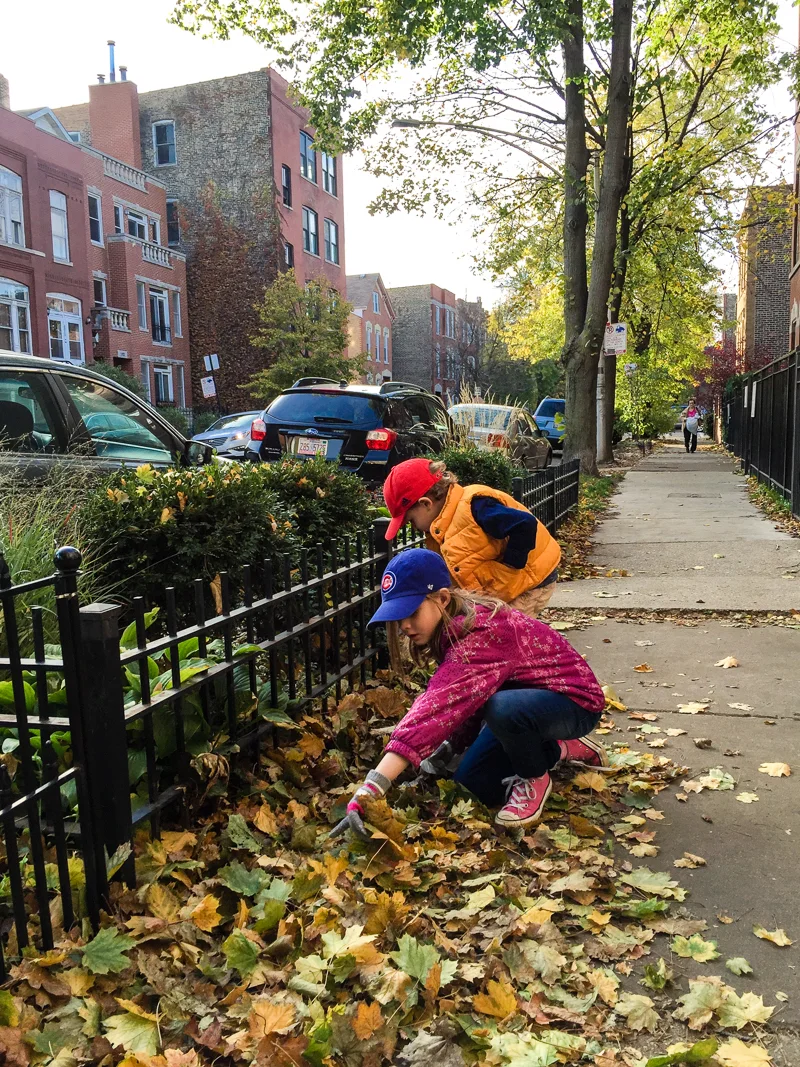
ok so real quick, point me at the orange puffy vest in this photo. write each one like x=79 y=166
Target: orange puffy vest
x=473 y=557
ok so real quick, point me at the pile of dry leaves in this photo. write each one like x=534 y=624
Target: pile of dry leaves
x=254 y=939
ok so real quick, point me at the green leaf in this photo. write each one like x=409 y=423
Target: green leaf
x=241 y=953
x=415 y=959
x=7 y=695
x=241 y=835
x=695 y=948
x=238 y=879
x=738 y=965
x=655 y=882
x=274 y=911
x=279 y=718
x=638 y=1010
x=523 y=1050
x=128 y=639
x=106 y=953
x=737 y=1011
x=305 y=885
x=133 y=1032
x=657 y=975
x=700 y=1053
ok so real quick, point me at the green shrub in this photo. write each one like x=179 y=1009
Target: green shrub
x=322 y=500
x=202 y=418
x=175 y=417
x=121 y=377
x=476 y=466
x=148 y=528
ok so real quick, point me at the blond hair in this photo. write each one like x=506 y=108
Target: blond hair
x=461 y=603
x=440 y=489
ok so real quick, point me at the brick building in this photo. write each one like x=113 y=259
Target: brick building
x=371 y=327
x=426 y=350
x=727 y=306
x=247 y=195
x=765 y=252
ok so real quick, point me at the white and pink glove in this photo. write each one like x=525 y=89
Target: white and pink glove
x=375 y=785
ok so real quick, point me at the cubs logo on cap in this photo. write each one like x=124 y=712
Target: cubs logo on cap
x=388 y=582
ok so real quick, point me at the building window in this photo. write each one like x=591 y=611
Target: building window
x=95 y=219
x=308 y=158
x=137 y=225
x=385 y=344
x=438 y=361
x=173 y=226
x=449 y=322
x=155 y=231
x=58 y=224
x=331 y=241
x=65 y=327
x=288 y=254
x=379 y=379
x=100 y=293
x=376 y=303
x=286 y=185
x=438 y=315
x=159 y=317
x=369 y=340
x=15 y=319
x=146 y=381
x=329 y=183
x=181 y=386
x=310 y=231
x=164 y=144
x=162 y=379
x=370 y=379
x=141 y=305
x=177 y=326
x=118 y=227
x=12 y=231
x=74 y=136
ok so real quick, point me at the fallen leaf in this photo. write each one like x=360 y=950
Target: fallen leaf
x=270 y=1017
x=777 y=937
x=590 y=780
x=741 y=707
x=702 y=742
x=776 y=770
x=673 y=732
x=639 y=1011
x=727 y=662
x=499 y=1000
x=695 y=948
x=644 y=668
x=133 y=1033
x=367 y=1020
x=747 y=798
x=739 y=1011
x=694 y=707
x=736 y=1053
x=206 y=915
x=690 y=861
x=738 y=965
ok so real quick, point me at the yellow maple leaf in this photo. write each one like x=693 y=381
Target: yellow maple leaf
x=644 y=668
x=134 y=1009
x=777 y=937
x=78 y=980
x=499 y=1000
x=590 y=780
x=163 y=903
x=311 y=745
x=367 y=1020
x=206 y=915
x=776 y=770
x=178 y=841
x=167 y=514
x=736 y=1053
x=265 y=820
x=270 y=1017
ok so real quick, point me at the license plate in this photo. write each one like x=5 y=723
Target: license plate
x=311 y=446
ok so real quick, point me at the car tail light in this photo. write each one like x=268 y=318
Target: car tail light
x=258 y=431
x=497 y=440
x=381 y=438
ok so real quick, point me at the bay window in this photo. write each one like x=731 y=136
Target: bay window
x=65 y=327
x=15 y=317
x=12 y=231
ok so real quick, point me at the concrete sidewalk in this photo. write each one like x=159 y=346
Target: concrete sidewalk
x=684 y=529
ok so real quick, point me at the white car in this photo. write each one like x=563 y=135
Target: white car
x=504 y=426
x=229 y=435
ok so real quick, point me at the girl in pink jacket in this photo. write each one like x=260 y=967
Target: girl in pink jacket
x=507 y=686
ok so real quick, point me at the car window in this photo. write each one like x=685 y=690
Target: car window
x=395 y=416
x=417 y=410
x=549 y=408
x=436 y=415
x=482 y=416
x=319 y=408
x=233 y=422
x=28 y=419
x=119 y=428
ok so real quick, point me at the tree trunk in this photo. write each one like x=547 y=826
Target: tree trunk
x=581 y=377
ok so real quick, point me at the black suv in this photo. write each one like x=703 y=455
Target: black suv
x=366 y=428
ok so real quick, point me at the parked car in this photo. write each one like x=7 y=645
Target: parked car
x=503 y=426
x=550 y=419
x=229 y=435
x=367 y=429
x=51 y=411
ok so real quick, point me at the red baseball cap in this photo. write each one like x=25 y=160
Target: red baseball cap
x=406 y=484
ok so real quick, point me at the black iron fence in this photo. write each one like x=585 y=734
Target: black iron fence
x=107 y=730
x=760 y=415
x=550 y=494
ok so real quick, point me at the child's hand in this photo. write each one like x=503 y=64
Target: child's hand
x=376 y=785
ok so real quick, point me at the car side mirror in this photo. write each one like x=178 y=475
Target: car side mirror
x=196 y=453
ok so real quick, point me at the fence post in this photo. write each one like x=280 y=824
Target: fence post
x=105 y=737
x=517 y=489
x=383 y=551
x=552 y=512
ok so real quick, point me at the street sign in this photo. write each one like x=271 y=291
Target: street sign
x=616 y=339
x=211 y=362
x=631 y=368
x=209 y=387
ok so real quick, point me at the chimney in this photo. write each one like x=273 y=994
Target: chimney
x=114 y=115
x=5 y=97
x=123 y=74
x=101 y=79
x=112 y=72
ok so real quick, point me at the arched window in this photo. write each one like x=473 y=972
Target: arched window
x=369 y=340
x=379 y=379
x=12 y=230
x=385 y=344
x=370 y=379
x=65 y=327
x=15 y=316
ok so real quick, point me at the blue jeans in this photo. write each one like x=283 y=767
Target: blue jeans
x=520 y=735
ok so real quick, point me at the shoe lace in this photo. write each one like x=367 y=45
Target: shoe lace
x=517 y=789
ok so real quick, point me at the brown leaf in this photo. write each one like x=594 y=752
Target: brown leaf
x=312 y=745
x=265 y=820
x=178 y=844
x=386 y=912
x=13 y=1050
x=216 y=592
x=499 y=1000
x=389 y=703
x=270 y=1017
x=727 y=662
x=644 y=668
x=367 y=1020
x=206 y=915
x=282 y=1052
x=583 y=828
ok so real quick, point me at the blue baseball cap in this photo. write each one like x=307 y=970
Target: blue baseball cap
x=410 y=577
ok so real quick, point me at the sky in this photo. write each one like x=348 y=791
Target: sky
x=50 y=60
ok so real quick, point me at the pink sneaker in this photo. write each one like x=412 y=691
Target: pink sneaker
x=583 y=751
x=526 y=800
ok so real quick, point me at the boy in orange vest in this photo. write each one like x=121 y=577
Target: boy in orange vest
x=490 y=543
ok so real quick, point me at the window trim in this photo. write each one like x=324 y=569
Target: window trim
x=144 y=375
x=308 y=152
x=136 y=215
x=160 y=296
x=308 y=212
x=385 y=344
x=286 y=186
x=288 y=254
x=102 y=283
x=160 y=369
x=155 y=126
x=5 y=206
x=56 y=212
x=330 y=177
x=177 y=318
x=376 y=303
x=97 y=197
x=369 y=341
x=13 y=303
x=119 y=219
x=142 y=305
x=66 y=317
x=331 y=228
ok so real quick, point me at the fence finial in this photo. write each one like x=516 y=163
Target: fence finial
x=67 y=559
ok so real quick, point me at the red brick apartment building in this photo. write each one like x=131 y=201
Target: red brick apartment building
x=82 y=236
x=246 y=194
x=426 y=349
x=371 y=326
x=764 y=322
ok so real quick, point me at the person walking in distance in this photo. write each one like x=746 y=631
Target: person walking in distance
x=691 y=425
